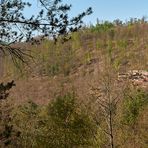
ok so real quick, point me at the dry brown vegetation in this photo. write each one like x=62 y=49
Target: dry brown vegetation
x=80 y=61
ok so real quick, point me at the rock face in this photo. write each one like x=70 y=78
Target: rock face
x=137 y=77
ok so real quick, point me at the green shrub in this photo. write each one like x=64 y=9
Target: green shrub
x=53 y=69
x=102 y=27
x=25 y=119
x=7 y=133
x=71 y=126
x=63 y=123
x=133 y=104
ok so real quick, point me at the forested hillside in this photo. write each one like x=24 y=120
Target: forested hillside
x=90 y=91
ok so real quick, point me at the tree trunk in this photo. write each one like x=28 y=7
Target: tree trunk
x=111 y=130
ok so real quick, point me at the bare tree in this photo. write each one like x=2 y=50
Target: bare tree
x=106 y=98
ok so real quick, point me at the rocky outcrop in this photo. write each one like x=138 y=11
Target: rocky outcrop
x=137 y=77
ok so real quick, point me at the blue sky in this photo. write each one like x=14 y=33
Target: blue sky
x=108 y=9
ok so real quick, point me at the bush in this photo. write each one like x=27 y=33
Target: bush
x=71 y=126
x=102 y=27
x=133 y=104
x=63 y=123
x=7 y=133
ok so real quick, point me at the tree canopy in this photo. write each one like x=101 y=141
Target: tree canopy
x=52 y=20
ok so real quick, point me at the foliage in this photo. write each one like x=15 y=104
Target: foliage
x=51 y=20
x=63 y=123
x=133 y=104
x=102 y=27
x=8 y=134
x=77 y=127
x=4 y=89
x=6 y=129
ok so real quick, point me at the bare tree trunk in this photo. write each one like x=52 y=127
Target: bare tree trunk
x=110 y=112
x=111 y=130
